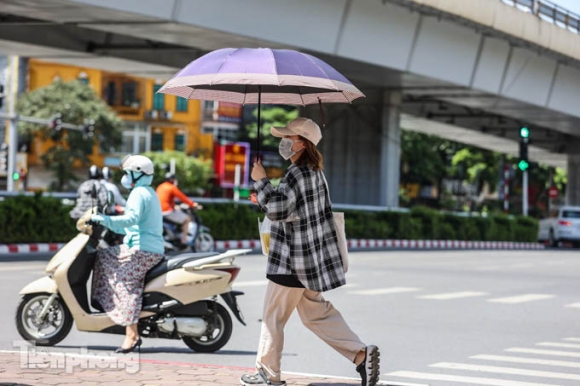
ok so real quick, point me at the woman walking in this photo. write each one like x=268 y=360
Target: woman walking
x=304 y=258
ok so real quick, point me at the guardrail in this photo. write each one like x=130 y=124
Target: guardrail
x=546 y=10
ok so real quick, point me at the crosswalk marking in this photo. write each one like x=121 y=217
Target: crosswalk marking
x=452 y=295
x=544 y=352
x=254 y=283
x=573 y=305
x=556 y=344
x=458 y=378
x=506 y=370
x=531 y=361
x=385 y=291
x=521 y=298
x=572 y=339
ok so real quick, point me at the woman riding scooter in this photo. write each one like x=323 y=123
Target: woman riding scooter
x=119 y=270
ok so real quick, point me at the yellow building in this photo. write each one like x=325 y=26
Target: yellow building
x=152 y=122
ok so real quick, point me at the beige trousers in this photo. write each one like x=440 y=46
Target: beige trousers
x=316 y=314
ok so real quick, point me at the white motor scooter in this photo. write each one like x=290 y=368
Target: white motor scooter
x=179 y=299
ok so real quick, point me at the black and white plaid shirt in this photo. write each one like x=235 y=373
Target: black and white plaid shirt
x=303 y=240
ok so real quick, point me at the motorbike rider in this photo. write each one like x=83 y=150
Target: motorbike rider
x=120 y=270
x=86 y=191
x=107 y=182
x=168 y=192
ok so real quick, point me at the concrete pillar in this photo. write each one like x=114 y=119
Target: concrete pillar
x=390 y=149
x=573 y=187
x=361 y=148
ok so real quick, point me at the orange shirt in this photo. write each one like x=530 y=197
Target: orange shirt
x=167 y=193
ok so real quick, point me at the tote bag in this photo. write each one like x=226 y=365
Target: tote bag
x=339 y=227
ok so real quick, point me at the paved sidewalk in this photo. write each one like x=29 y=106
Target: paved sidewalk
x=41 y=368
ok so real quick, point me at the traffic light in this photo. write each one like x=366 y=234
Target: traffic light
x=56 y=122
x=89 y=128
x=1 y=95
x=524 y=163
x=15 y=176
x=524 y=132
x=4 y=158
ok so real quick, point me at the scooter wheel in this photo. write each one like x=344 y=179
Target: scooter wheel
x=204 y=243
x=53 y=328
x=218 y=333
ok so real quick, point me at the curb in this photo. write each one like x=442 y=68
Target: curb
x=352 y=244
x=401 y=244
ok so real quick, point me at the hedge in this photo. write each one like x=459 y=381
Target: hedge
x=25 y=219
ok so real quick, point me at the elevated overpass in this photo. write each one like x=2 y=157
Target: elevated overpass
x=473 y=71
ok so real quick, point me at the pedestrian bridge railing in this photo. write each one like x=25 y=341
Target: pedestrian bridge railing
x=546 y=10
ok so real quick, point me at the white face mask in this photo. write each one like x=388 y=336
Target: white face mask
x=127 y=182
x=285 y=148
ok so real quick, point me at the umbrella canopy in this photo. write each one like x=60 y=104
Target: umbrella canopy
x=261 y=75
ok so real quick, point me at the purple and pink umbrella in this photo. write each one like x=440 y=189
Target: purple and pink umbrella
x=261 y=75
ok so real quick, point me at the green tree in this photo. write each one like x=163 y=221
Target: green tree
x=192 y=173
x=77 y=103
x=479 y=166
x=270 y=116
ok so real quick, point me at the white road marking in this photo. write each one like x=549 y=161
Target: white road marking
x=544 y=352
x=453 y=295
x=573 y=305
x=385 y=291
x=506 y=370
x=521 y=298
x=255 y=283
x=560 y=345
x=21 y=268
x=457 y=378
x=532 y=361
x=572 y=339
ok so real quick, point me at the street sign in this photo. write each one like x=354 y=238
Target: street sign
x=553 y=192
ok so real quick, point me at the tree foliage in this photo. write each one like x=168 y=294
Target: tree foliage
x=270 y=116
x=77 y=103
x=477 y=166
x=192 y=173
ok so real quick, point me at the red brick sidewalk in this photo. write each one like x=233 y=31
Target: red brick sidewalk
x=23 y=369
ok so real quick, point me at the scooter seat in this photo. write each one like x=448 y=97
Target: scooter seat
x=170 y=263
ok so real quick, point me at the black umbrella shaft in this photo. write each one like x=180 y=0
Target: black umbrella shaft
x=259 y=122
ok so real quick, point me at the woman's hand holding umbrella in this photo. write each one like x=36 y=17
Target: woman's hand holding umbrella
x=258 y=171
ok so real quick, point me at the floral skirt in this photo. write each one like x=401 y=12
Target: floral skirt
x=118 y=281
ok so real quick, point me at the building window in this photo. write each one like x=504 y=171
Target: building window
x=135 y=139
x=179 y=144
x=221 y=133
x=157 y=142
x=129 y=94
x=181 y=104
x=111 y=94
x=158 y=99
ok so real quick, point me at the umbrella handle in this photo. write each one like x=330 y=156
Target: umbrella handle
x=258 y=157
x=322 y=117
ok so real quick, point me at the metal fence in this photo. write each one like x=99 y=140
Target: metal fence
x=546 y=10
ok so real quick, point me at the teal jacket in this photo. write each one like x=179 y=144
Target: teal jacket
x=142 y=222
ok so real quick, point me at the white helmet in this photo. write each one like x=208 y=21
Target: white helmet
x=138 y=163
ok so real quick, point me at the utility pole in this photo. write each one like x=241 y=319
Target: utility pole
x=12 y=133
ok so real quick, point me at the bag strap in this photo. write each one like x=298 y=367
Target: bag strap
x=327 y=190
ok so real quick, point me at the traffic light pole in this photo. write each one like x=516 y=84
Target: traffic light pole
x=12 y=92
x=525 y=182
x=525 y=193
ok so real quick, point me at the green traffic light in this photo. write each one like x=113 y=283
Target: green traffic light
x=523 y=165
x=15 y=176
x=524 y=132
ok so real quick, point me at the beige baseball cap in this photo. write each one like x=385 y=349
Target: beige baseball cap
x=304 y=127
